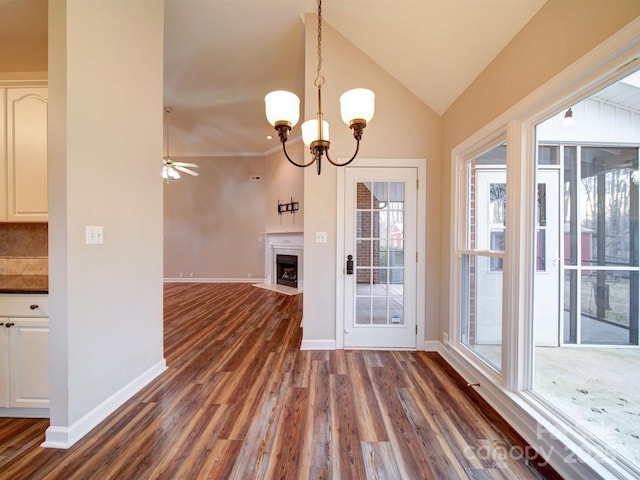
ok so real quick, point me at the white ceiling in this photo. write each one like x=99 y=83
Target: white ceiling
x=223 y=56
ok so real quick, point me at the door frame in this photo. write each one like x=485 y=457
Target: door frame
x=420 y=164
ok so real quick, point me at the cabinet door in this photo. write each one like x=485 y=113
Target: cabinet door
x=27 y=154
x=29 y=362
x=4 y=364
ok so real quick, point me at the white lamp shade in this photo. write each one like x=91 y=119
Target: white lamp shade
x=357 y=103
x=281 y=105
x=310 y=131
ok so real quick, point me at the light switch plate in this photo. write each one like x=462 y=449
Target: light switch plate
x=321 y=237
x=94 y=235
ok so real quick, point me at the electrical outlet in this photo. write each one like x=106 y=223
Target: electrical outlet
x=445 y=338
x=321 y=237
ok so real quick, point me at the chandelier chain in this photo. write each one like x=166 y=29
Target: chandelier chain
x=319 y=78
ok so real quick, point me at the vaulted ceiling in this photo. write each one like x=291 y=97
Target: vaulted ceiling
x=222 y=56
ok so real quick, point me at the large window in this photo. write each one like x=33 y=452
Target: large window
x=589 y=374
x=547 y=290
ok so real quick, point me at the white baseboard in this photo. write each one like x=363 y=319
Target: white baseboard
x=24 y=412
x=213 y=280
x=318 y=345
x=65 y=437
x=432 y=346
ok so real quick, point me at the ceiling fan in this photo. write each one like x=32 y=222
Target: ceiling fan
x=170 y=168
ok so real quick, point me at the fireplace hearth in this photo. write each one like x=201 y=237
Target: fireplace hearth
x=287 y=270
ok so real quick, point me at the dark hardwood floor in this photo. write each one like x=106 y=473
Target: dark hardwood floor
x=240 y=400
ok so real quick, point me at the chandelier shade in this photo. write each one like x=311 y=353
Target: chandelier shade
x=310 y=132
x=357 y=104
x=282 y=109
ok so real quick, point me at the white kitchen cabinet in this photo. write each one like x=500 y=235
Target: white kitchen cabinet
x=25 y=165
x=24 y=353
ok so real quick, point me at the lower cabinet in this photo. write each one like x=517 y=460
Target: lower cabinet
x=24 y=362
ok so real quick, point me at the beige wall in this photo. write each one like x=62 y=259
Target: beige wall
x=558 y=35
x=403 y=127
x=284 y=181
x=214 y=224
x=105 y=143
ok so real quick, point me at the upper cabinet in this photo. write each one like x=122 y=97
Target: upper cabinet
x=23 y=129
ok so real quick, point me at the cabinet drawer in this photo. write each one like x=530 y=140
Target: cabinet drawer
x=24 y=305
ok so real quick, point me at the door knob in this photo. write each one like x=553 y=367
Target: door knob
x=349 y=264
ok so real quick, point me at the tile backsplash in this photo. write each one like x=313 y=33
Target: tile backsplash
x=23 y=249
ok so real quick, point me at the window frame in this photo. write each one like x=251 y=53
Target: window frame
x=510 y=391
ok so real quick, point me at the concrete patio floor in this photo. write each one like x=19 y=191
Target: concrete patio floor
x=598 y=387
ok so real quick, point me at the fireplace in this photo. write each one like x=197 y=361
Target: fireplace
x=279 y=248
x=287 y=270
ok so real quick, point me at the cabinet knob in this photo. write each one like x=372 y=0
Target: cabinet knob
x=9 y=324
x=1 y=324
x=33 y=306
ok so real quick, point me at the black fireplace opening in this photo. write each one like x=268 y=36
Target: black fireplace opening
x=287 y=270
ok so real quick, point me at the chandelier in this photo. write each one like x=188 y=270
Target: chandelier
x=283 y=112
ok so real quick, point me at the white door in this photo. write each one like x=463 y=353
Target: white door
x=491 y=235
x=490 y=228
x=546 y=293
x=380 y=236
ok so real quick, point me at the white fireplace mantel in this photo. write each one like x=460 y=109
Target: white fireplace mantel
x=282 y=243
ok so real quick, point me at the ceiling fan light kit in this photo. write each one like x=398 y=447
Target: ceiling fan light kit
x=282 y=109
x=171 y=169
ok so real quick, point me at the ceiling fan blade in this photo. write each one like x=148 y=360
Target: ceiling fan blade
x=185 y=170
x=183 y=164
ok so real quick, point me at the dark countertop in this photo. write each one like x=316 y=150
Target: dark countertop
x=24 y=284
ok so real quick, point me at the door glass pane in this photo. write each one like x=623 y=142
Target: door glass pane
x=396 y=309
x=380 y=195
x=379 y=311
x=363 y=195
x=364 y=257
x=541 y=225
x=380 y=253
x=363 y=310
x=363 y=224
x=379 y=281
